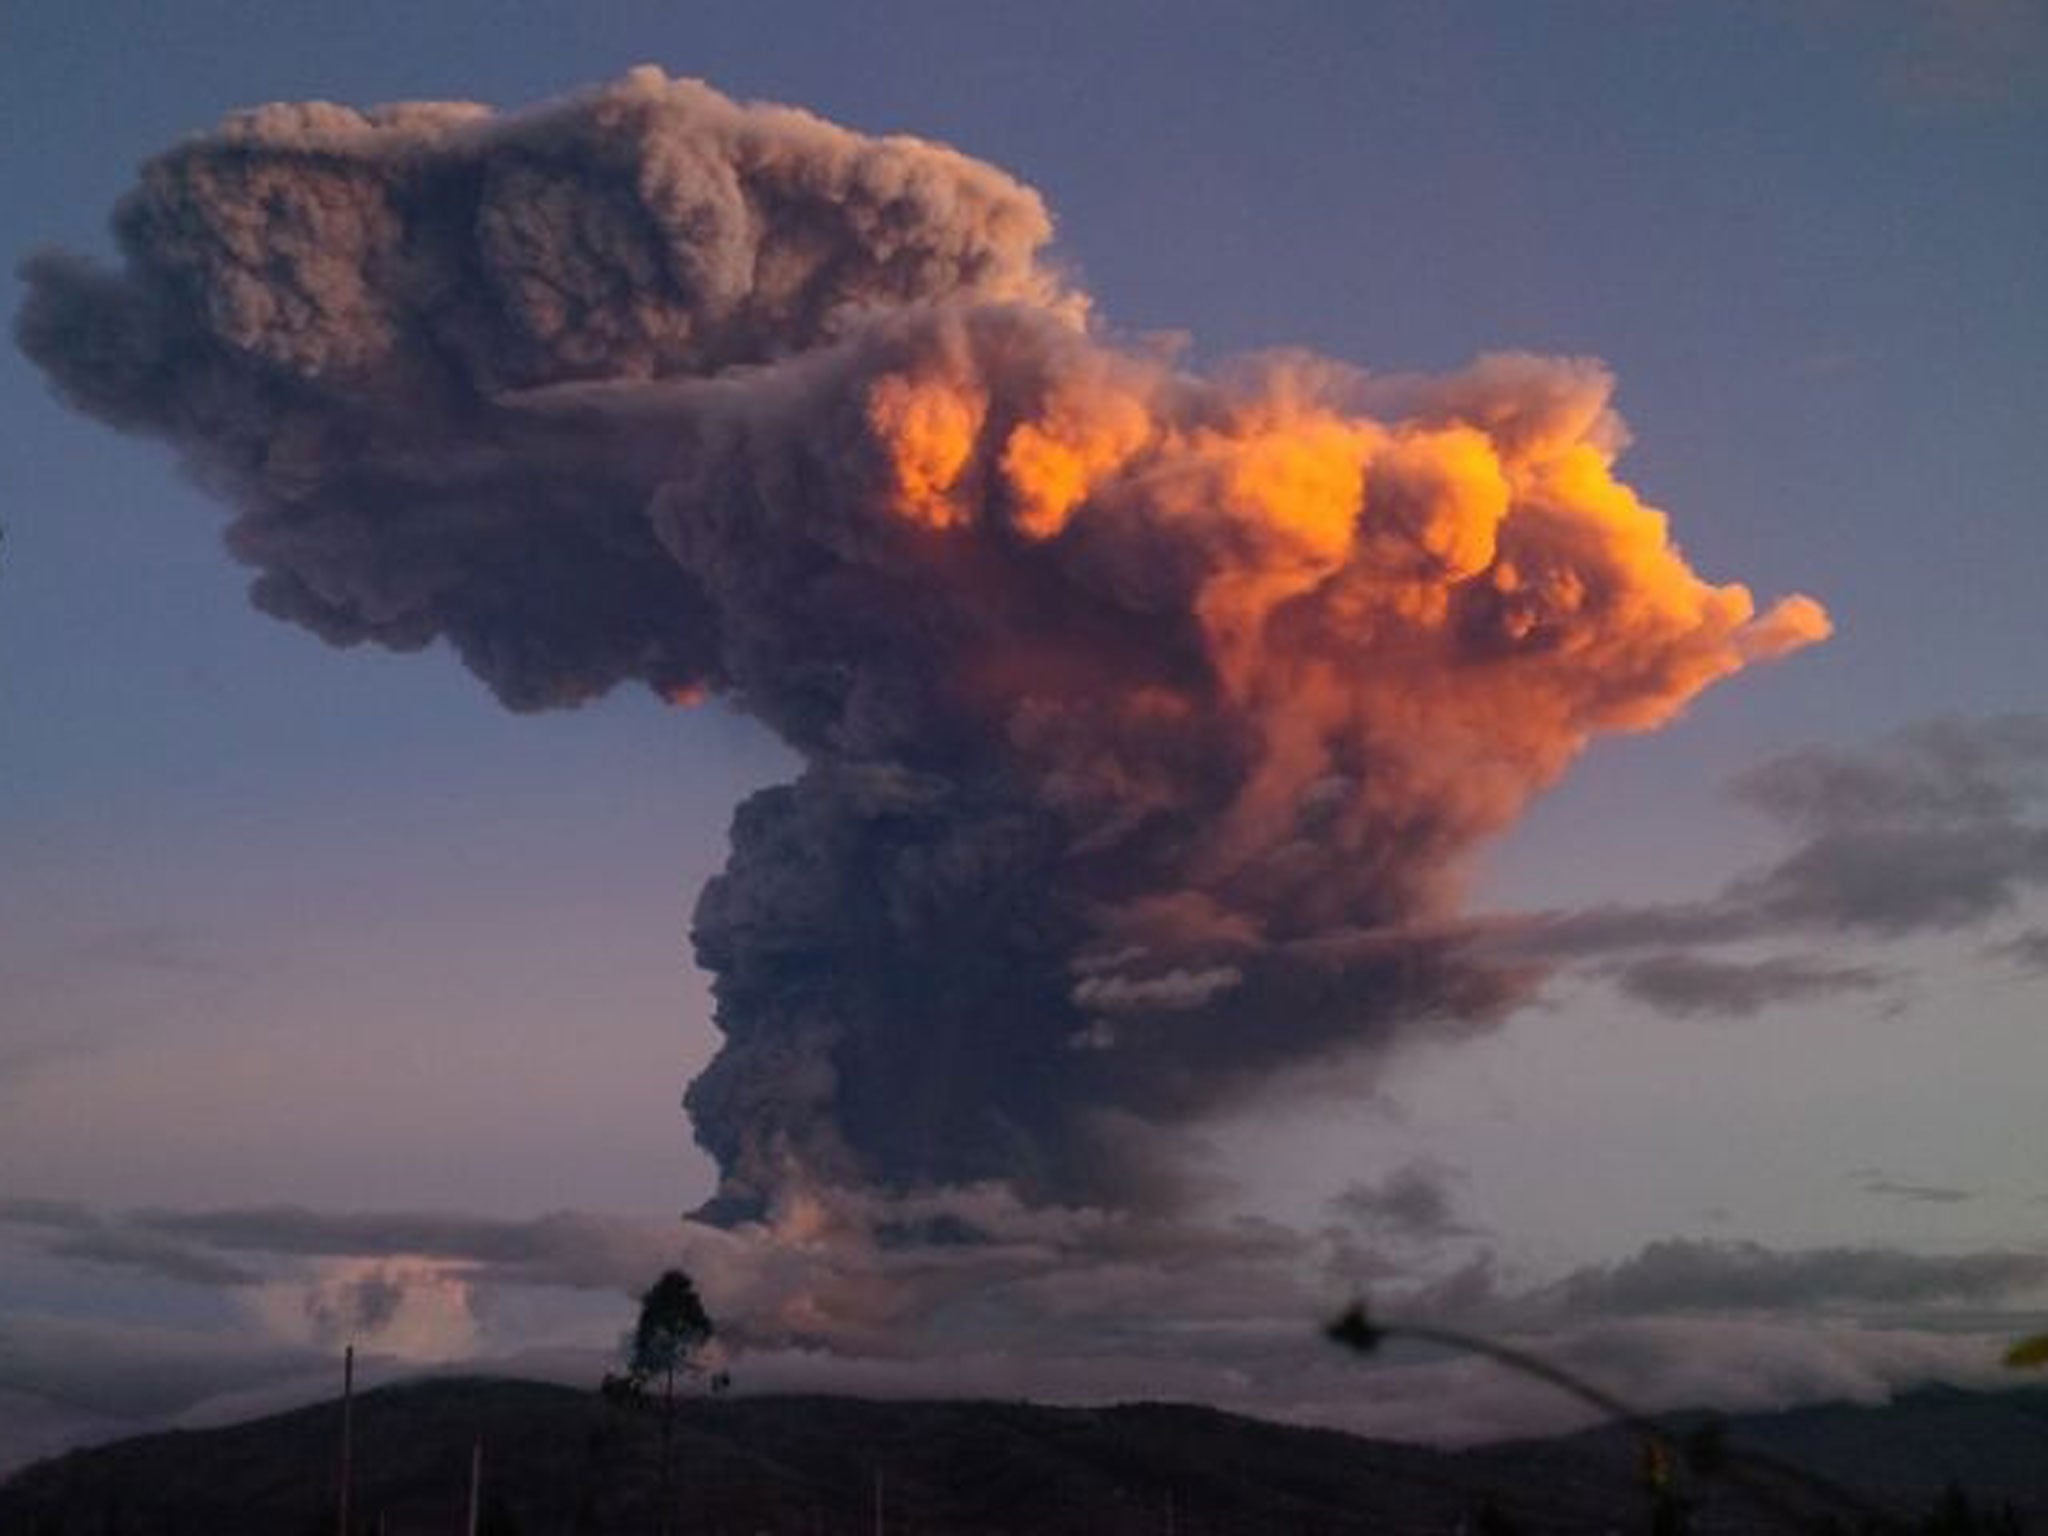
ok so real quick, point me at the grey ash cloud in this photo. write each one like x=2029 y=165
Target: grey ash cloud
x=1147 y=717
x=329 y=313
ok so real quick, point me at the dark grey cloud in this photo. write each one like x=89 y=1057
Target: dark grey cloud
x=1889 y=881
x=1592 y=933
x=240 y=1247
x=2027 y=950
x=579 y=1250
x=1685 y=1275
x=1874 y=1181
x=1937 y=828
x=1946 y=772
x=71 y=1230
x=1870 y=1285
x=358 y=1305
x=58 y=1215
x=1693 y=985
x=1413 y=1203
x=1147 y=718
x=152 y=1253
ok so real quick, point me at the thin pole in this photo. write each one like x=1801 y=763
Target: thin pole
x=476 y=1481
x=878 y=1501
x=668 y=1429
x=348 y=1405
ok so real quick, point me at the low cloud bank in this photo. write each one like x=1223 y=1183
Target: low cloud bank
x=1058 y=1306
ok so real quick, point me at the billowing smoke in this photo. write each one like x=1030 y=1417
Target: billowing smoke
x=1147 y=716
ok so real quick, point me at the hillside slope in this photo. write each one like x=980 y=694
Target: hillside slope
x=557 y=1460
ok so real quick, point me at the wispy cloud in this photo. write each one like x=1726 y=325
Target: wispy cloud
x=1874 y=1181
x=1700 y=986
x=2028 y=950
x=74 y=1231
x=1938 y=828
x=81 y=991
x=574 y=1249
x=1413 y=1203
x=1685 y=1275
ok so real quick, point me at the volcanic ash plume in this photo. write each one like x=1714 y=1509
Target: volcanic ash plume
x=1147 y=717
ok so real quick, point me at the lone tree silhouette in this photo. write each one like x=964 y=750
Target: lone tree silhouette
x=672 y=1330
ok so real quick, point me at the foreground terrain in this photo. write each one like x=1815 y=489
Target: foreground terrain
x=557 y=1460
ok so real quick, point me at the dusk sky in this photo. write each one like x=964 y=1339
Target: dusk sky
x=339 y=1001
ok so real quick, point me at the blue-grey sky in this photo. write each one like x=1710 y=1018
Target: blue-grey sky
x=289 y=926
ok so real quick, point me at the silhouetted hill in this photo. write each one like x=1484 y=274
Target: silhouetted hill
x=1904 y=1452
x=559 y=1461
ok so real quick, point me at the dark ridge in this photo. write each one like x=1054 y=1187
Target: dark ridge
x=558 y=1460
